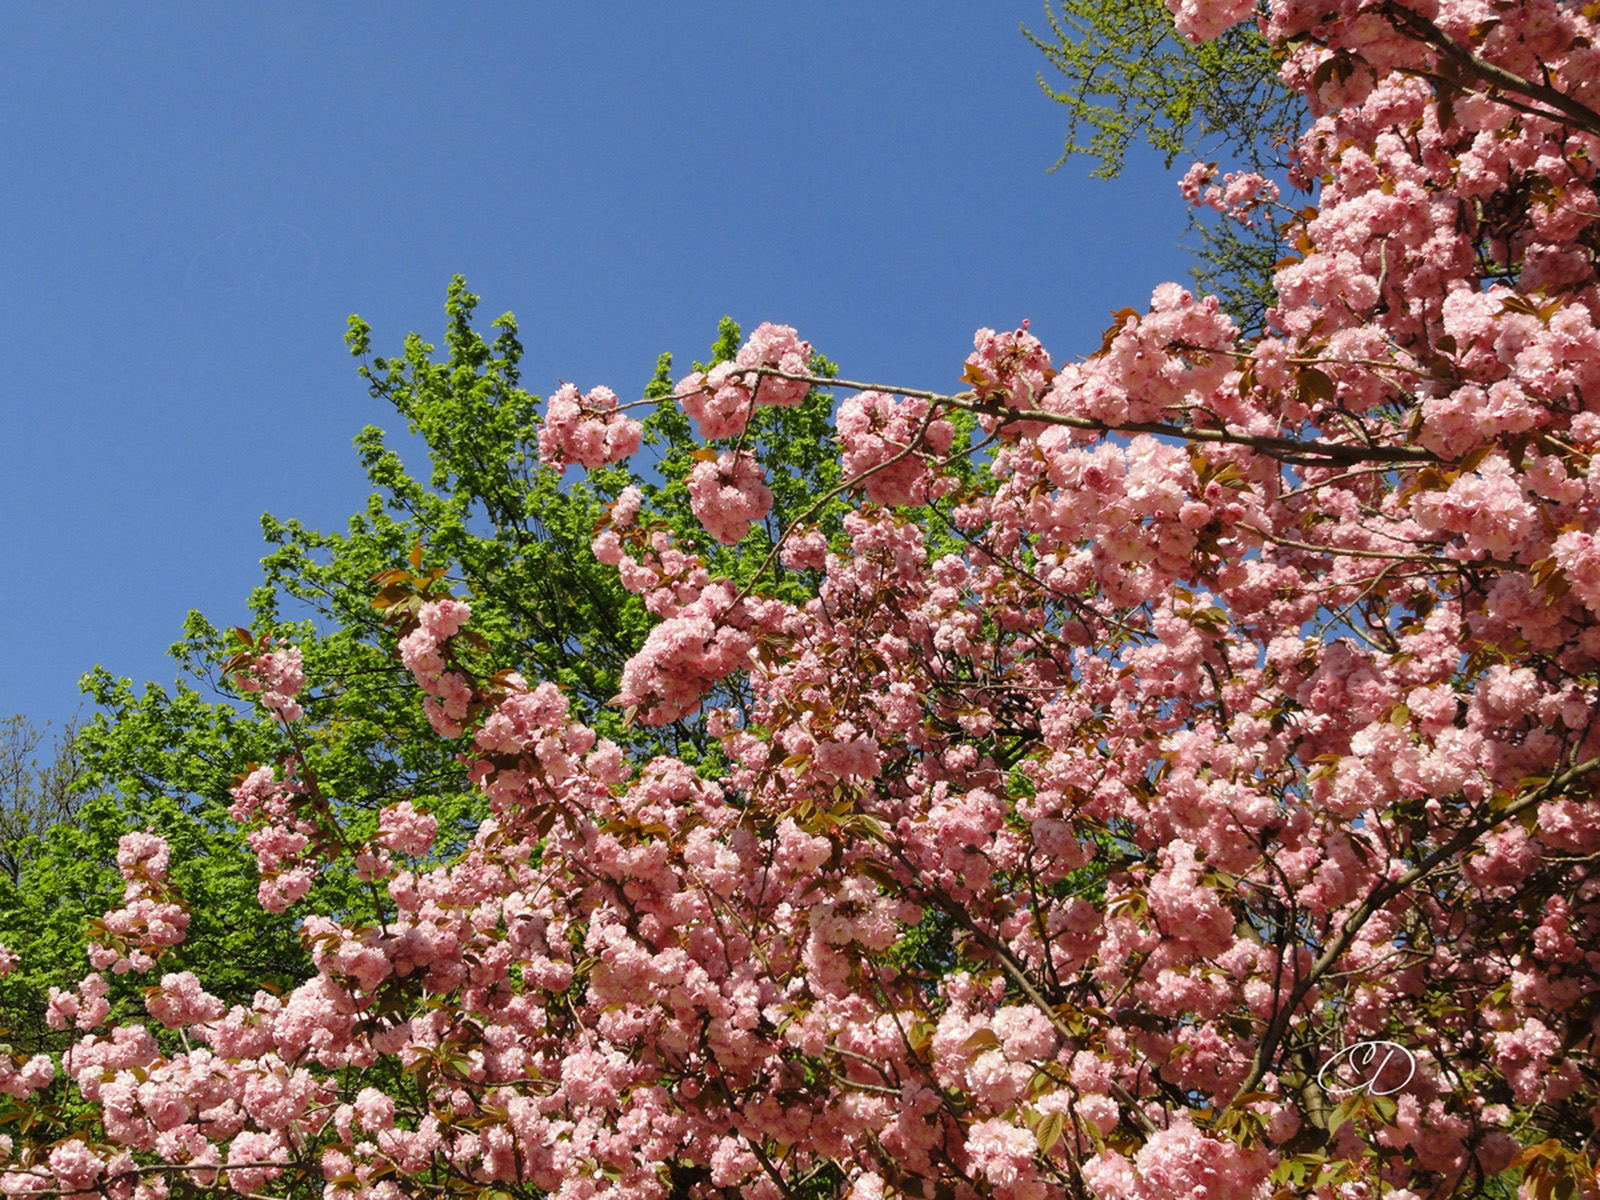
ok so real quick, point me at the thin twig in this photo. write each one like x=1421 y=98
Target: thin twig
x=1381 y=896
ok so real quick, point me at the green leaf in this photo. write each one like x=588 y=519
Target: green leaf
x=1048 y=1132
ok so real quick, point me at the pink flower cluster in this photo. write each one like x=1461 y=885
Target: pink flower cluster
x=406 y=830
x=277 y=676
x=886 y=441
x=1058 y=833
x=586 y=429
x=151 y=919
x=1010 y=368
x=283 y=839
x=1203 y=20
x=1578 y=555
x=1174 y=359
x=728 y=494
x=1241 y=193
x=683 y=656
x=533 y=727
x=86 y=1007
x=666 y=576
x=180 y=1002
x=448 y=692
x=21 y=1082
x=1179 y=1161
x=720 y=400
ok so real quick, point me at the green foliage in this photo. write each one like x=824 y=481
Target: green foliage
x=165 y=762
x=929 y=946
x=1236 y=265
x=34 y=798
x=1127 y=72
x=511 y=535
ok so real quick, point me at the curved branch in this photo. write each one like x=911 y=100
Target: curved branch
x=1576 y=113
x=1294 y=451
x=1381 y=896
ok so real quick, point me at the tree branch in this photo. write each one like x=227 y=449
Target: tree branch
x=1380 y=897
x=1424 y=30
x=1293 y=451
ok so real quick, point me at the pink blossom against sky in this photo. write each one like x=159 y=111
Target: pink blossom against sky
x=197 y=197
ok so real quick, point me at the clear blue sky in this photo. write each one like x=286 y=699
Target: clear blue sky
x=193 y=198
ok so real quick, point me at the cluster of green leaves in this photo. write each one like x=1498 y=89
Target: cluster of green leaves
x=493 y=525
x=1126 y=73
x=489 y=522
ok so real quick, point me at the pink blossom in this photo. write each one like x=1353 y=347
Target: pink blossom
x=720 y=401
x=1242 y=192
x=278 y=676
x=1003 y=1153
x=780 y=348
x=444 y=618
x=85 y=1008
x=1578 y=555
x=728 y=494
x=805 y=551
x=586 y=429
x=36 y=1073
x=181 y=1001
x=1202 y=20
x=143 y=854
x=1248 y=625
x=254 y=1149
x=1011 y=368
x=877 y=432
x=405 y=830
x=77 y=1168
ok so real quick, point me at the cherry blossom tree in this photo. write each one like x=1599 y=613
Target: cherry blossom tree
x=1218 y=819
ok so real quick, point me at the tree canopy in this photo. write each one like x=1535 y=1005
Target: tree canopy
x=1168 y=772
x=513 y=536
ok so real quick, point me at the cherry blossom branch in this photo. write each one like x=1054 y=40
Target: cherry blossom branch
x=1306 y=489
x=136 y=1169
x=1351 y=552
x=1019 y=976
x=1082 y=610
x=1424 y=30
x=1306 y=360
x=768 y=1166
x=1380 y=897
x=1288 y=450
x=912 y=445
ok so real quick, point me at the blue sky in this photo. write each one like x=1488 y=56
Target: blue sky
x=193 y=199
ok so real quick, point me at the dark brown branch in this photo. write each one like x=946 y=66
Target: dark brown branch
x=1380 y=897
x=1293 y=451
x=1578 y=114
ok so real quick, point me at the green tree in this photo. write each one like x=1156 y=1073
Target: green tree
x=513 y=536
x=34 y=798
x=1126 y=73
